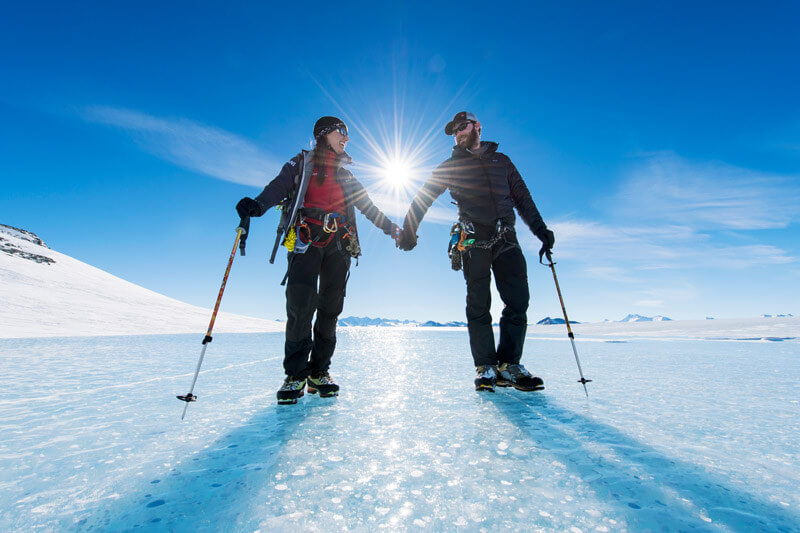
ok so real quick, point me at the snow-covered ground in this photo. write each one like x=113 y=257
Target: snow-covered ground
x=721 y=329
x=677 y=435
x=46 y=293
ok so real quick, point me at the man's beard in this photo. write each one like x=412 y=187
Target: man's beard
x=470 y=140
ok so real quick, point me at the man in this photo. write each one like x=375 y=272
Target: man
x=486 y=187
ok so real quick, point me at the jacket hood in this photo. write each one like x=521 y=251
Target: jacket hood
x=489 y=147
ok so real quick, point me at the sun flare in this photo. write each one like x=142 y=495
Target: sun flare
x=397 y=172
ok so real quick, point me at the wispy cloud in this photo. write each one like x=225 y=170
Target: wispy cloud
x=197 y=147
x=224 y=155
x=673 y=214
x=619 y=252
x=706 y=196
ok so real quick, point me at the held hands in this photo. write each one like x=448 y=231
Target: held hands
x=406 y=240
x=395 y=234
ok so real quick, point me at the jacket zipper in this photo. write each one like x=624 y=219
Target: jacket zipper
x=491 y=189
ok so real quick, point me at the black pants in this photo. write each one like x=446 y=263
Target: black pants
x=505 y=259
x=329 y=267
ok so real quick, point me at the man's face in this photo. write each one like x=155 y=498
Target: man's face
x=337 y=140
x=469 y=134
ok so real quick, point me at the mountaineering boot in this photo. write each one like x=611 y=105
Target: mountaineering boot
x=485 y=377
x=321 y=382
x=518 y=377
x=292 y=389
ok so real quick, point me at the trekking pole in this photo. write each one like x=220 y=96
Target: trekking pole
x=191 y=397
x=583 y=381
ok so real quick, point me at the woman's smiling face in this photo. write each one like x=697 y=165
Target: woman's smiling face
x=337 y=140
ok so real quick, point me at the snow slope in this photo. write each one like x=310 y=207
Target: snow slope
x=46 y=293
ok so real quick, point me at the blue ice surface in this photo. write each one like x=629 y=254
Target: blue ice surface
x=676 y=435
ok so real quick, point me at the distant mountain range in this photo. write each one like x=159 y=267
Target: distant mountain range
x=547 y=321
x=367 y=321
x=391 y=322
x=640 y=318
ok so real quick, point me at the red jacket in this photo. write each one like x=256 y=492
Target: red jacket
x=329 y=195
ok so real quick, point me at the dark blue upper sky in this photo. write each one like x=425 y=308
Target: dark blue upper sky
x=661 y=141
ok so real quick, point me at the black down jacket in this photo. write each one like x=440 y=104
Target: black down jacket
x=486 y=186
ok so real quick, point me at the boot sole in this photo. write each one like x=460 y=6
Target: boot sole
x=289 y=401
x=484 y=388
x=512 y=384
x=534 y=389
x=312 y=390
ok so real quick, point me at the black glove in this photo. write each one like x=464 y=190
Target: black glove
x=247 y=207
x=407 y=240
x=548 y=240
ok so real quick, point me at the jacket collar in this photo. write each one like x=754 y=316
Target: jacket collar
x=489 y=147
x=341 y=161
x=345 y=159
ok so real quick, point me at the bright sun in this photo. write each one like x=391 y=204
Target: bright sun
x=397 y=172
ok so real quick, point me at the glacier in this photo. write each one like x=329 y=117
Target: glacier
x=677 y=434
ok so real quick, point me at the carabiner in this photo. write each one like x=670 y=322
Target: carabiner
x=326 y=223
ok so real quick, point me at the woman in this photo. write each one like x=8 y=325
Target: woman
x=321 y=243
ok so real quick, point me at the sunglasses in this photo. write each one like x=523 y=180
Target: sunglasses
x=341 y=128
x=461 y=127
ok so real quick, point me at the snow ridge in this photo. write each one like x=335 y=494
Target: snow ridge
x=22 y=234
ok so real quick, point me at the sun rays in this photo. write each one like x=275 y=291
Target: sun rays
x=394 y=153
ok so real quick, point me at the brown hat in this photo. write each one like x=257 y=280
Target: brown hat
x=460 y=118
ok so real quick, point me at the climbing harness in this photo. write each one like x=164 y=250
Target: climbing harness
x=299 y=237
x=462 y=238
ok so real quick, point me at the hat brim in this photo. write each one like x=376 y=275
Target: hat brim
x=451 y=127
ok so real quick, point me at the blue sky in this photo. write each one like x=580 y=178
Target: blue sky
x=661 y=142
